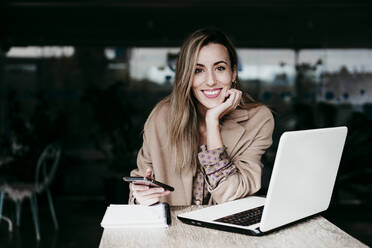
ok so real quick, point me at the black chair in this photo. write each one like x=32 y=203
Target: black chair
x=44 y=174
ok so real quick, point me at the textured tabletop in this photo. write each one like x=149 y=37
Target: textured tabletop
x=313 y=232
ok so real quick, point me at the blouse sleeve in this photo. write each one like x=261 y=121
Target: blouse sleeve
x=216 y=165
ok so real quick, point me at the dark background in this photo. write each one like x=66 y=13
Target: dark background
x=98 y=115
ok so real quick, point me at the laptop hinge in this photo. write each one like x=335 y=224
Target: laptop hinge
x=257 y=231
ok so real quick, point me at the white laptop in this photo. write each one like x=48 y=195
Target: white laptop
x=301 y=185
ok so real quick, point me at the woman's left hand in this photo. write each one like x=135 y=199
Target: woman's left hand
x=231 y=102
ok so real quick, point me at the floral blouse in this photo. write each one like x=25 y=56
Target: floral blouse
x=213 y=167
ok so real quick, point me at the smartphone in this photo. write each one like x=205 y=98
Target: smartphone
x=147 y=181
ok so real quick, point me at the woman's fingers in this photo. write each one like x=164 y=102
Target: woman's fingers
x=233 y=100
x=141 y=197
x=146 y=195
x=148 y=172
x=149 y=199
x=139 y=187
x=150 y=191
x=236 y=96
x=156 y=195
x=150 y=202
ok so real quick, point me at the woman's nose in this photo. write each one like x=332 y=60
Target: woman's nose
x=211 y=80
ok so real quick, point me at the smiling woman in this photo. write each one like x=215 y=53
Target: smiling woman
x=207 y=137
x=213 y=76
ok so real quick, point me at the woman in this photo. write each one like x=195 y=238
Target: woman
x=206 y=138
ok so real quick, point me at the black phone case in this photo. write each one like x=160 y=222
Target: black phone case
x=147 y=181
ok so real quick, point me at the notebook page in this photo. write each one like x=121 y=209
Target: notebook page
x=134 y=215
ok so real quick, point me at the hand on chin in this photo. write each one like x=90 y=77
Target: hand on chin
x=232 y=97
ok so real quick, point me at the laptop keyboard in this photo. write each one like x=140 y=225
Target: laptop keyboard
x=245 y=218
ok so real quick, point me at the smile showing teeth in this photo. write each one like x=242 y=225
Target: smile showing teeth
x=212 y=93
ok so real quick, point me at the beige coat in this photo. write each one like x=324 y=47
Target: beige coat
x=246 y=135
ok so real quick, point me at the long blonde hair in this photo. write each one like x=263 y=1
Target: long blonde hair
x=183 y=137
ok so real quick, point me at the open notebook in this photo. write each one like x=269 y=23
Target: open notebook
x=123 y=216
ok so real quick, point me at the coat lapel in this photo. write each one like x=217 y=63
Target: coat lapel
x=231 y=130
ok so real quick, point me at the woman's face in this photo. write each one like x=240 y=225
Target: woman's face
x=213 y=75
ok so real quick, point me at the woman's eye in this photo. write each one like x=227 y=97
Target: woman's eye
x=197 y=70
x=221 y=68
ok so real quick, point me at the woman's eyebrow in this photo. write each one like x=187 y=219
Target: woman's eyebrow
x=221 y=61
x=216 y=63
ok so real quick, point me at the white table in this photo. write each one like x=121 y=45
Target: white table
x=313 y=232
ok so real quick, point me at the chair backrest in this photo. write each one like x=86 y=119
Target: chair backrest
x=46 y=166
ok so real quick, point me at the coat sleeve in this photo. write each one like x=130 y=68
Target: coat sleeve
x=143 y=162
x=151 y=155
x=247 y=179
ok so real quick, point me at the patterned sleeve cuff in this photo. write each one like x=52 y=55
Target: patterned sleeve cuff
x=216 y=178
x=216 y=164
x=211 y=157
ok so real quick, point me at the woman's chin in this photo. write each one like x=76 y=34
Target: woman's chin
x=210 y=105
